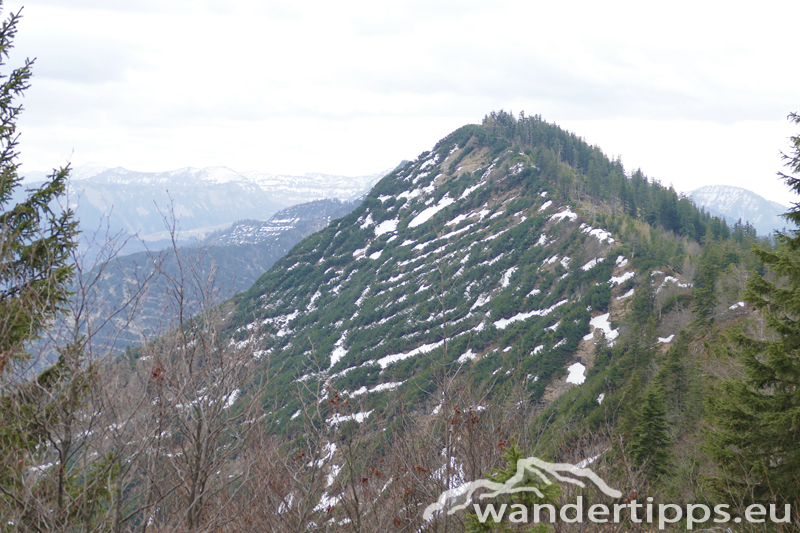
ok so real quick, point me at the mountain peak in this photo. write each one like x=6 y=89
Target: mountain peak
x=736 y=204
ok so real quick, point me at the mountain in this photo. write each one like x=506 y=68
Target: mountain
x=511 y=293
x=470 y=255
x=238 y=255
x=303 y=217
x=202 y=200
x=511 y=277
x=735 y=204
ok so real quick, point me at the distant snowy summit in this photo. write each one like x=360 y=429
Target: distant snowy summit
x=202 y=199
x=736 y=204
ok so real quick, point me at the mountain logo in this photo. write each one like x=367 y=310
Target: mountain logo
x=532 y=467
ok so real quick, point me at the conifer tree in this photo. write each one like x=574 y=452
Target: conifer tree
x=35 y=236
x=705 y=280
x=755 y=437
x=650 y=439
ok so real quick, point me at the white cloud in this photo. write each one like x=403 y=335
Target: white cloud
x=693 y=94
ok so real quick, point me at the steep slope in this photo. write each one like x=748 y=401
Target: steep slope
x=512 y=293
x=511 y=285
x=465 y=257
x=735 y=204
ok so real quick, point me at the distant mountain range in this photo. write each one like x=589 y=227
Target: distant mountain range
x=307 y=218
x=203 y=200
x=736 y=204
x=240 y=254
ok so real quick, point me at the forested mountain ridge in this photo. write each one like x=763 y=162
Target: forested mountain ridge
x=511 y=293
x=487 y=251
x=514 y=281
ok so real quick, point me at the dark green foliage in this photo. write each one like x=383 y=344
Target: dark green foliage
x=755 y=439
x=642 y=305
x=678 y=377
x=649 y=442
x=528 y=499
x=602 y=178
x=36 y=236
x=393 y=305
x=704 y=292
x=792 y=179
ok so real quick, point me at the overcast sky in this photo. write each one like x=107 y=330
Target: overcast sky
x=694 y=95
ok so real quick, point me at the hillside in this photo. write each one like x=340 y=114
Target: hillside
x=478 y=288
x=471 y=255
x=737 y=205
x=510 y=294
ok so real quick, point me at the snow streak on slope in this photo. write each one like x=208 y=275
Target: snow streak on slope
x=473 y=268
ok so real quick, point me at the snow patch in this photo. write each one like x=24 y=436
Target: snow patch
x=506 y=279
x=576 y=375
x=619 y=280
x=600 y=234
x=593 y=263
x=339 y=350
x=468 y=356
x=387 y=226
x=457 y=220
x=566 y=213
x=482 y=300
x=626 y=295
x=428 y=213
x=367 y=222
x=390 y=386
x=337 y=419
x=503 y=323
x=601 y=322
x=394 y=358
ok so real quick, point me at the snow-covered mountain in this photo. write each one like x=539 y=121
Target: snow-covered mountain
x=307 y=217
x=737 y=204
x=202 y=199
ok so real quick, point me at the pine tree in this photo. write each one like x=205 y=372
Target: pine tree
x=35 y=236
x=705 y=281
x=755 y=437
x=650 y=439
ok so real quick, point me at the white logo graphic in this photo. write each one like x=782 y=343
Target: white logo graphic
x=531 y=465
